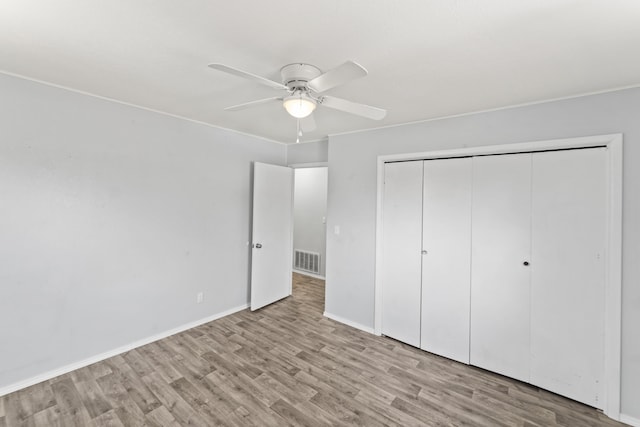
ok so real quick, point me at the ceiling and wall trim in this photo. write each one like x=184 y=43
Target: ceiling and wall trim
x=140 y=107
x=319 y=140
x=490 y=110
x=309 y=165
x=329 y=136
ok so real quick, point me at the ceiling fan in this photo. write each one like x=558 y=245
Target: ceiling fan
x=304 y=85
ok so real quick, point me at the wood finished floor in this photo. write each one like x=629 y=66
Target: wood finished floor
x=286 y=365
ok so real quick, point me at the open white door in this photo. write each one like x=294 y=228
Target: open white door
x=272 y=234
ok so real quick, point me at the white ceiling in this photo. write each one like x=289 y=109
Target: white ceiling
x=426 y=58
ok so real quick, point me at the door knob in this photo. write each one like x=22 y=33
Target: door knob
x=424 y=252
x=257 y=245
x=525 y=263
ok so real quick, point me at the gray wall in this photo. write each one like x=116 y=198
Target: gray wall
x=112 y=218
x=309 y=208
x=307 y=152
x=352 y=197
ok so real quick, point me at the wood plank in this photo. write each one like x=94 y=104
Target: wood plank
x=93 y=398
x=294 y=416
x=37 y=398
x=127 y=410
x=180 y=409
x=69 y=401
x=138 y=363
x=99 y=369
x=48 y=417
x=160 y=362
x=161 y=417
x=14 y=408
x=197 y=401
x=348 y=410
x=108 y=419
x=258 y=415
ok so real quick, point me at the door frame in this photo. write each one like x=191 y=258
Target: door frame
x=310 y=165
x=613 y=259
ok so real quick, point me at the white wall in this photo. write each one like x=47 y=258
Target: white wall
x=307 y=152
x=112 y=218
x=352 y=197
x=310 y=207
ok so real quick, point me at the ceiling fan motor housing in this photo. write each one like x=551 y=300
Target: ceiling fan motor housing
x=296 y=76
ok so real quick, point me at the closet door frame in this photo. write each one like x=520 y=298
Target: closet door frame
x=613 y=259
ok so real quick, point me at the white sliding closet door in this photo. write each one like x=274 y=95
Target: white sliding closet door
x=501 y=218
x=567 y=293
x=446 y=264
x=402 y=237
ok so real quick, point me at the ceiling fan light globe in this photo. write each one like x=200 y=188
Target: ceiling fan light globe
x=298 y=106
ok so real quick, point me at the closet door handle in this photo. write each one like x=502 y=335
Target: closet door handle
x=525 y=263
x=424 y=252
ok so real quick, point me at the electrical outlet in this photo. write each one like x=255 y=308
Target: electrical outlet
x=199 y=297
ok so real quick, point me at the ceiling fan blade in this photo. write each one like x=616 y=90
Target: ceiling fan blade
x=341 y=74
x=251 y=104
x=363 y=110
x=308 y=124
x=246 y=75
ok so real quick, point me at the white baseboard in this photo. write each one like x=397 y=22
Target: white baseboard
x=632 y=421
x=306 y=273
x=348 y=322
x=99 y=357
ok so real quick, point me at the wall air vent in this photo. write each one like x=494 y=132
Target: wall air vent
x=306 y=261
